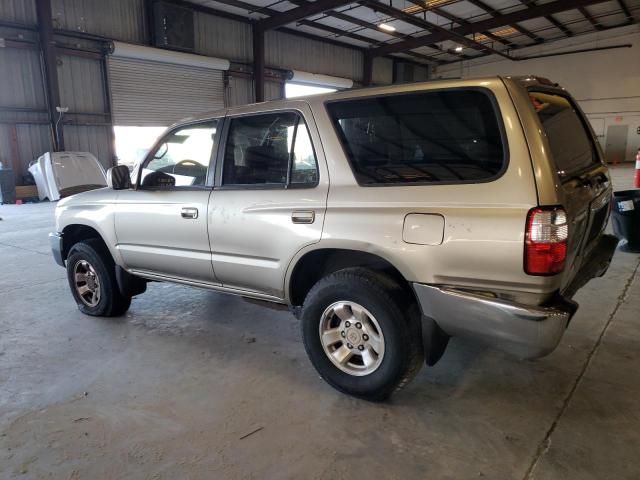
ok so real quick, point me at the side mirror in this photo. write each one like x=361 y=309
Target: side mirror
x=118 y=177
x=158 y=181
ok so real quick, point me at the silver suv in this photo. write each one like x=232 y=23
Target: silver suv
x=387 y=219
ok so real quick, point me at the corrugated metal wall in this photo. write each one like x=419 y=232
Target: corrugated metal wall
x=118 y=19
x=82 y=91
x=23 y=117
x=239 y=91
x=33 y=141
x=21 y=79
x=30 y=142
x=81 y=84
x=20 y=11
x=23 y=112
x=283 y=50
x=94 y=139
x=273 y=90
x=224 y=38
x=382 y=71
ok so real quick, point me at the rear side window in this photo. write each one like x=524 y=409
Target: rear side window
x=571 y=146
x=446 y=136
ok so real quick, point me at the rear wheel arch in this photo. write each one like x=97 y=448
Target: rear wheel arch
x=316 y=264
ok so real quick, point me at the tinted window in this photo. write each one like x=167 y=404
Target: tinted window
x=570 y=144
x=184 y=154
x=269 y=149
x=444 y=136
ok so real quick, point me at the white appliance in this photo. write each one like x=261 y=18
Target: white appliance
x=60 y=174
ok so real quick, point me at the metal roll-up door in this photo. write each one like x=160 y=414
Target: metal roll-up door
x=149 y=92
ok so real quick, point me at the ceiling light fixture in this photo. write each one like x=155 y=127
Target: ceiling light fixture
x=386 y=27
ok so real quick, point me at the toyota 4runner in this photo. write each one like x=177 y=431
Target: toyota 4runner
x=387 y=219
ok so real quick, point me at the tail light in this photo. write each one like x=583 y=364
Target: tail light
x=545 y=247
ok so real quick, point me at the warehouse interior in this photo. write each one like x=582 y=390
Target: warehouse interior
x=196 y=384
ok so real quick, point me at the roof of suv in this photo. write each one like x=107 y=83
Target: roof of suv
x=367 y=91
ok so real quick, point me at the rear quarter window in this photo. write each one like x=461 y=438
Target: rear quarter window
x=443 y=136
x=571 y=145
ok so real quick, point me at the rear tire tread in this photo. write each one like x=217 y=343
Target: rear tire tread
x=404 y=309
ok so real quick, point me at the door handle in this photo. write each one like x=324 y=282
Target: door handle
x=303 y=216
x=191 y=213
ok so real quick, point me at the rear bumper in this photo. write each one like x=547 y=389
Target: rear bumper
x=597 y=265
x=55 y=239
x=524 y=330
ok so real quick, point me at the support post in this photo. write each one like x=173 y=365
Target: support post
x=50 y=68
x=258 y=62
x=367 y=69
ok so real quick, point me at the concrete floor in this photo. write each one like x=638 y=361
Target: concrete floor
x=173 y=389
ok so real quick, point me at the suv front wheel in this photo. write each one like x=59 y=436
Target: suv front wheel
x=362 y=333
x=92 y=278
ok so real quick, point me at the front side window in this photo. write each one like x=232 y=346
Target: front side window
x=182 y=158
x=271 y=150
x=571 y=145
x=427 y=137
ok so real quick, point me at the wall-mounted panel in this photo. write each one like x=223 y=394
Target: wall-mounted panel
x=93 y=139
x=81 y=84
x=221 y=37
x=19 y=11
x=283 y=50
x=21 y=79
x=117 y=19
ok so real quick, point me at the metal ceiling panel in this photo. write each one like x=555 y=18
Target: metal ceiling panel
x=443 y=14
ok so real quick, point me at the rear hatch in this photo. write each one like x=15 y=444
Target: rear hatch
x=584 y=188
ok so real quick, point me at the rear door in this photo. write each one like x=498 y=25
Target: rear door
x=584 y=180
x=269 y=200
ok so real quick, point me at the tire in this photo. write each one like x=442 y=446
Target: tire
x=384 y=310
x=92 y=259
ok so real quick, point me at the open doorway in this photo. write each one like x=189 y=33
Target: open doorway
x=293 y=90
x=133 y=143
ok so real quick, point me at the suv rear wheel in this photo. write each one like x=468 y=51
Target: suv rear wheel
x=92 y=278
x=361 y=333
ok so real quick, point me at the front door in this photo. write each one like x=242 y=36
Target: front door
x=270 y=198
x=161 y=226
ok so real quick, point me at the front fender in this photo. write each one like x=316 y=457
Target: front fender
x=100 y=216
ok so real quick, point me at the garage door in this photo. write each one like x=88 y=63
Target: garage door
x=158 y=91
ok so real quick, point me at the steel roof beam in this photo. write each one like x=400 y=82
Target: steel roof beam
x=626 y=10
x=459 y=21
x=436 y=29
x=494 y=13
x=549 y=18
x=491 y=23
x=300 y=13
x=591 y=20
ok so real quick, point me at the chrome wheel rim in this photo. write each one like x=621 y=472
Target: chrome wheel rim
x=87 y=283
x=352 y=338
